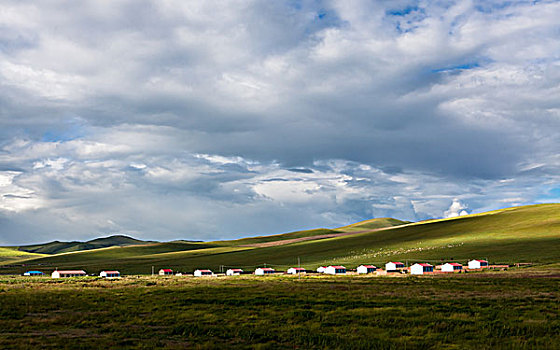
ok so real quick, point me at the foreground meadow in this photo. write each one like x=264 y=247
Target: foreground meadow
x=511 y=310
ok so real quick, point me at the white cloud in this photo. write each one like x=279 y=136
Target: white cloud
x=57 y=164
x=456 y=209
x=232 y=118
x=47 y=83
x=15 y=198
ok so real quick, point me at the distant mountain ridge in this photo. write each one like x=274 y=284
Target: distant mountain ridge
x=57 y=247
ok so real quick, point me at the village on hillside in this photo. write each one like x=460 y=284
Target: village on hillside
x=391 y=268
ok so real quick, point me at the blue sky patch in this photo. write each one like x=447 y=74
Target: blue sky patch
x=71 y=130
x=552 y=195
x=465 y=66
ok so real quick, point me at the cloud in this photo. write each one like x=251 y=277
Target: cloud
x=456 y=209
x=208 y=120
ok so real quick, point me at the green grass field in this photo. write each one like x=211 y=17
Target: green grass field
x=513 y=309
x=9 y=254
x=517 y=309
x=522 y=234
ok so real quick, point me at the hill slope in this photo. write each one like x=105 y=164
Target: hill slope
x=522 y=234
x=10 y=254
x=373 y=224
x=57 y=247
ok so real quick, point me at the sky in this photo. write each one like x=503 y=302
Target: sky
x=209 y=120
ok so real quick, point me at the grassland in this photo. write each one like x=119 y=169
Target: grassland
x=373 y=224
x=9 y=254
x=57 y=247
x=513 y=310
x=522 y=234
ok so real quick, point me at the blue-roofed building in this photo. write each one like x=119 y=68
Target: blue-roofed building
x=33 y=273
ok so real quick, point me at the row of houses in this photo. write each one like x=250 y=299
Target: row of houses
x=416 y=269
x=422 y=268
x=390 y=267
x=73 y=273
x=261 y=271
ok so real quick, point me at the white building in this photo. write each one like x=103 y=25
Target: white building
x=165 y=272
x=420 y=269
x=234 y=272
x=394 y=266
x=451 y=267
x=335 y=270
x=321 y=269
x=110 y=274
x=295 y=270
x=201 y=273
x=366 y=269
x=478 y=264
x=264 y=271
x=68 y=273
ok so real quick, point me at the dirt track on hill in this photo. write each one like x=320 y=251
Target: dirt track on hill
x=311 y=238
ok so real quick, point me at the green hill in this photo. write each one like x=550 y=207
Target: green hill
x=279 y=237
x=373 y=224
x=10 y=254
x=57 y=247
x=316 y=233
x=521 y=234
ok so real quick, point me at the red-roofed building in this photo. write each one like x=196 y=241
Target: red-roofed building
x=264 y=271
x=295 y=270
x=364 y=269
x=68 y=273
x=420 y=269
x=478 y=264
x=201 y=273
x=110 y=274
x=451 y=267
x=234 y=272
x=165 y=272
x=394 y=266
x=335 y=270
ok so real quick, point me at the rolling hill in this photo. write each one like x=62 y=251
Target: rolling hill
x=520 y=234
x=11 y=254
x=373 y=224
x=57 y=247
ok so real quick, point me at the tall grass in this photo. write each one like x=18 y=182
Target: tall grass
x=276 y=313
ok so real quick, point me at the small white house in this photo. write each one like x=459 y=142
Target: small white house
x=335 y=270
x=201 y=273
x=366 y=269
x=295 y=270
x=110 y=274
x=165 y=272
x=394 y=266
x=478 y=264
x=234 y=272
x=68 y=273
x=264 y=271
x=451 y=267
x=420 y=269
x=321 y=269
